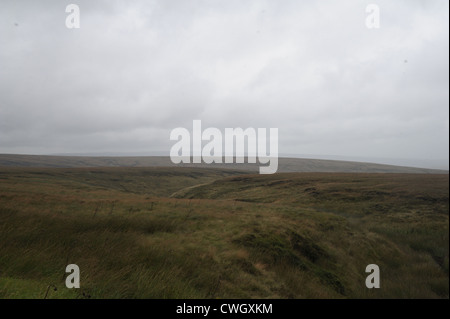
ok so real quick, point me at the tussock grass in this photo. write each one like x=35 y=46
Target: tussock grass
x=249 y=236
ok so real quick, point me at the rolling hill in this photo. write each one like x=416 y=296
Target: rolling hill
x=285 y=164
x=181 y=232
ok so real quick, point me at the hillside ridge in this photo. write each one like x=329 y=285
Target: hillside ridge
x=285 y=165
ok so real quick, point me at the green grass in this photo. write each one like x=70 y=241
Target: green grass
x=208 y=233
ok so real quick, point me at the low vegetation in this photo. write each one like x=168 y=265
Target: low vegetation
x=216 y=233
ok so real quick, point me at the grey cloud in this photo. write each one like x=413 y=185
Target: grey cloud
x=136 y=70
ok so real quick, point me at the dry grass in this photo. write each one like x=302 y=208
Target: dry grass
x=279 y=236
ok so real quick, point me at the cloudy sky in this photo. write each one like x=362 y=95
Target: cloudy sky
x=135 y=70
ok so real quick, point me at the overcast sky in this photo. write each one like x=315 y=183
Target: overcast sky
x=135 y=70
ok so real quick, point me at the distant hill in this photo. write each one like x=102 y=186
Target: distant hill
x=285 y=165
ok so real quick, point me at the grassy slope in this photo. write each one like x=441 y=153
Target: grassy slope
x=284 y=164
x=284 y=236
